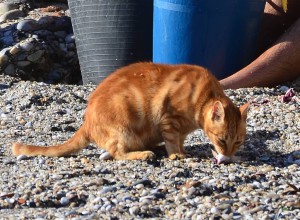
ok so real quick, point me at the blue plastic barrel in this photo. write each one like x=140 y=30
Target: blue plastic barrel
x=219 y=35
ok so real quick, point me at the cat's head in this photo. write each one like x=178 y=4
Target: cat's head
x=225 y=125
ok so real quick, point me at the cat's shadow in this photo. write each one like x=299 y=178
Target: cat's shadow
x=256 y=152
x=259 y=148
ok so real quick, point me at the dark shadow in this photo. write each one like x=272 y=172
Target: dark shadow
x=256 y=151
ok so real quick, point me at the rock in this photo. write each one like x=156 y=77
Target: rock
x=296 y=155
x=64 y=201
x=23 y=64
x=28 y=25
x=105 y=156
x=267 y=169
x=27 y=45
x=107 y=189
x=3 y=60
x=11 y=15
x=134 y=210
x=43 y=33
x=6 y=7
x=46 y=21
x=284 y=88
x=215 y=211
x=10 y=70
x=62 y=23
x=35 y=56
x=22 y=157
x=14 y=50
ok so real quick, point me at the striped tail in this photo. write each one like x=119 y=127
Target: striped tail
x=74 y=144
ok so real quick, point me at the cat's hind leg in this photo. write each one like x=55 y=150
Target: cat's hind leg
x=119 y=150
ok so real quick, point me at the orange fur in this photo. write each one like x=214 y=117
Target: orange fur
x=143 y=104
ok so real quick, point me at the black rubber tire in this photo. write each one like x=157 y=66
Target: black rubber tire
x=111 y=34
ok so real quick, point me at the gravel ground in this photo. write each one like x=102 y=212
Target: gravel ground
x=88 y=186
x=266 y=185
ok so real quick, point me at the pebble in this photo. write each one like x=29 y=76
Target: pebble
x=107 y=189
x=64 y=201
x=105 y=156
x=35 y=56
x=215 y=211
x=28 y=25
x=22 y=157
x=11 y=15
x=6 y=7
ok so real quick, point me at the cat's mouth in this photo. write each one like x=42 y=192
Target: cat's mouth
x=220 y=158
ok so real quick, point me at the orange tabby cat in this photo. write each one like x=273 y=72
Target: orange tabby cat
x=143 y=104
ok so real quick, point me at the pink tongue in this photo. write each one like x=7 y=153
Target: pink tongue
x=218 y=159
x=215 y=154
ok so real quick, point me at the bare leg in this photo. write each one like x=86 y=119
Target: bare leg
x=119 y=151
x=280 y=63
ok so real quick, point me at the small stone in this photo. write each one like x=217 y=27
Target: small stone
x=64 y=201
x=139 y=186
x=224 y=206
x=11 y=200
x=85 y=160
x=10 y=70
x=107 y=189
x=296 y=155
x=3 y=60
x=6 y=7
x=292 y=108
x=254 y=210
x=45 y=21
x=28 y=25
x=242 y=209
x=215 y=210
x=26 y=45
x=256 y=184
x=267 y=169
x=134 y=210
x=293 y=204
x=11 y=15
x=105 y=156
x=297 y=162
x=284 y=88
x=43 y=33
x=23 y=63
x=35 y=56
x=22 y=157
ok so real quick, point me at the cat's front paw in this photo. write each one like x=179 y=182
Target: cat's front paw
x=147 y=155
x=176 y=156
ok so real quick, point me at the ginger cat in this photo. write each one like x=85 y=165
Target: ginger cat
x=143 y=104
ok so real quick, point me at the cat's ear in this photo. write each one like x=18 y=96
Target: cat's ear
x=244 y=109
x=217 y=113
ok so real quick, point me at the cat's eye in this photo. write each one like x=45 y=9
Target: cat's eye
x=238 y=142
x=222 y=141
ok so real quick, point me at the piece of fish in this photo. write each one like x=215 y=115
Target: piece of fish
x=220 y=158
